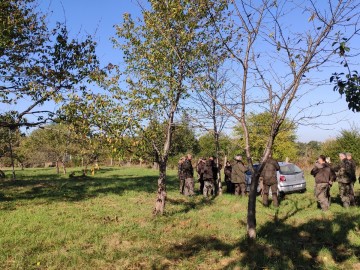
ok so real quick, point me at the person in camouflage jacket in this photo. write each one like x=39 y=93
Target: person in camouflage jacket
x=343 y=173
x=188 y=172
x=238 y=176
x=324 y=177
x=269 y=176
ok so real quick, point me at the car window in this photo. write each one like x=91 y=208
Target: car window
x=255 y=166
x=290 y=169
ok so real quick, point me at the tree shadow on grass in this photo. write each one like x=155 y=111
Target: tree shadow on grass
x=282 y=246
x=188 y=204
x=56 y=188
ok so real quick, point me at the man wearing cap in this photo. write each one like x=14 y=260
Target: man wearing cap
x=238 y=176
x=343 y=172
x=269 y=175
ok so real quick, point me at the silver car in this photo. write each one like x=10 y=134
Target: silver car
x=290 y=179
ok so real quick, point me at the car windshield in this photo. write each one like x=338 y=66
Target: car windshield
x=290 y=169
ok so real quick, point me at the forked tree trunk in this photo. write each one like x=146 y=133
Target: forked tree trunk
x=161 y=192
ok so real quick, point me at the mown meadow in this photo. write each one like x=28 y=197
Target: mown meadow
x=105 y=221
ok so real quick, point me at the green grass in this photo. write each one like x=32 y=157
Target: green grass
x=105 y=222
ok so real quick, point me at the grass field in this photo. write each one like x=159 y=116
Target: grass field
x=105 y=222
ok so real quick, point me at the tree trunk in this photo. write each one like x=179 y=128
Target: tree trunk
x=64 y=166
x=217 y=149
x=161 y=192
x=85 y=170
x=162 y=158
x=12 y=157
x=13 y=166
x=251 y=218
x=57 y=167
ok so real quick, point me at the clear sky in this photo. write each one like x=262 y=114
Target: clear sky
x=98 y=18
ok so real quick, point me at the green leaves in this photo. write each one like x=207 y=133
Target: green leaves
x=38 y=65
x=259 y=126
x=348 y=85
x=163 y=52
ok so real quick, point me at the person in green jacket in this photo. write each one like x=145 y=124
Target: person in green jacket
x=269 y=176
x=238 y=176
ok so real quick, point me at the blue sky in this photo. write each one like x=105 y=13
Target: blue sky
x=98 y=18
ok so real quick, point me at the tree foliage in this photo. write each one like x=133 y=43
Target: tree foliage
x=259 y=125
x=228 y=146
x=309 y=152
x=347 y=141
x=163 y=52
x=348 y=82
x=39 y=65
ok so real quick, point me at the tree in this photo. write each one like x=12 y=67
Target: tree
x=51 y=143
x=227 y=146
x=298 y=53
x=163 y=53
x=331 y=148
x=39 y=65
x=9 y=141
x=275 y=60
x=346 y=141
x=349 y=141
x=209 y=115
x=260 y=124
x=309 y=152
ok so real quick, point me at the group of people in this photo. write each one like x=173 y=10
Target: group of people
x=208 y=175
x=235 y=177
x=326 y=174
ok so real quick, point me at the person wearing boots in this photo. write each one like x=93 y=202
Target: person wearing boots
x=269 y=175
x=324 y=177
x=227 y=173
x=238 y=176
